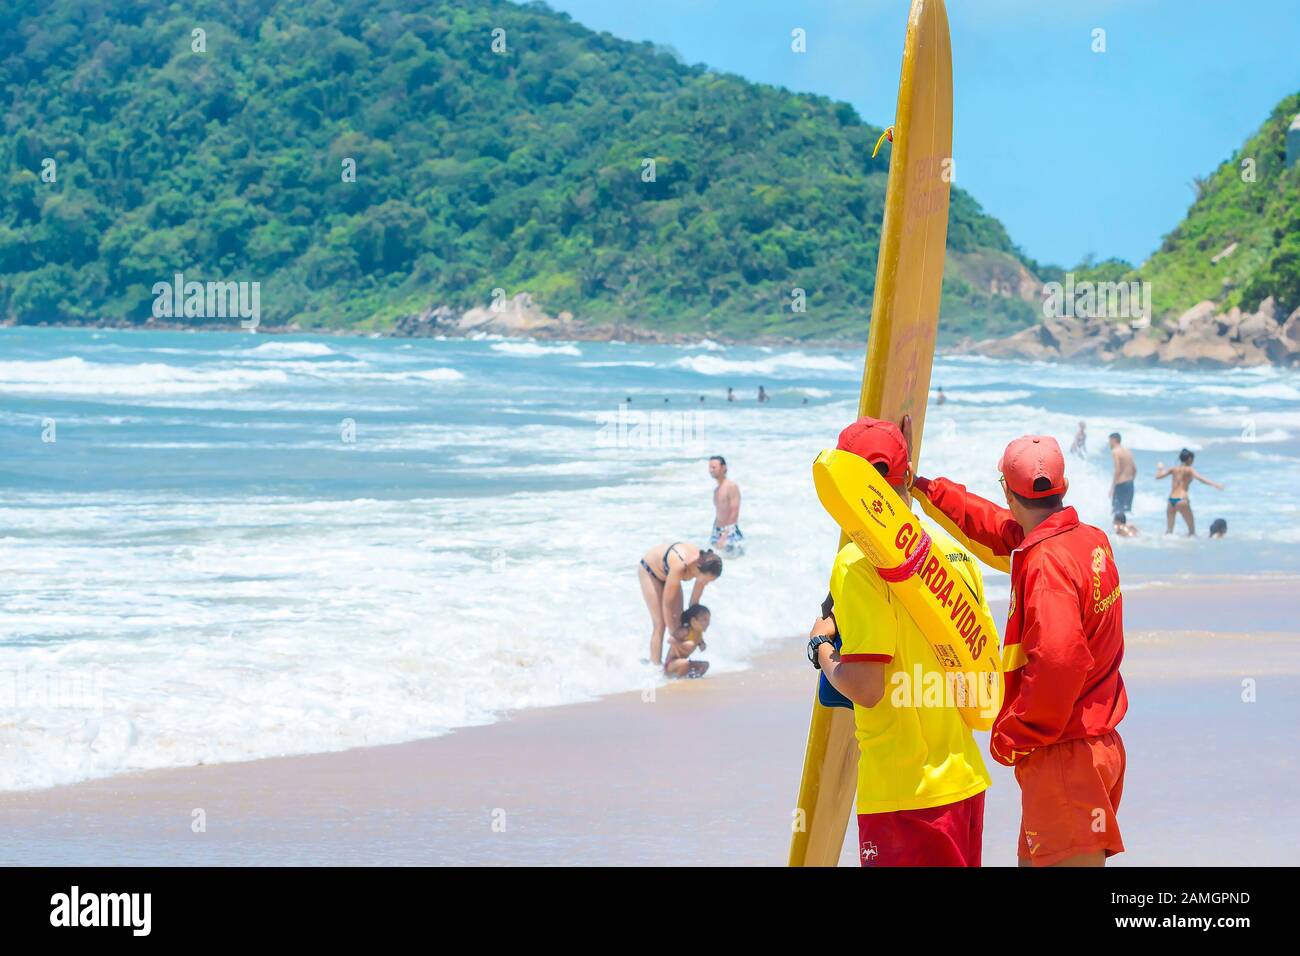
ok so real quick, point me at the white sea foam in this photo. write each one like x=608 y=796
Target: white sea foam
x=783 y=365
x=292 y=349
x=534 y=349
x=438 y=375
x=985 y=397
x=1278 y=390
x=1253 y=455
x=628 y=364
x=76 y=376
x=1250 y=437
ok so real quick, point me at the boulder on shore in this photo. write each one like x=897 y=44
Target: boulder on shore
x=1203 y=336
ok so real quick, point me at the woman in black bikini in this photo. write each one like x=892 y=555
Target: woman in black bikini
x=662 y=571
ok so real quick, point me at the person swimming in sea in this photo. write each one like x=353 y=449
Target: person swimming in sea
x=1181 y=476
x=662 y=571
x=695 y=621
x=1218 y=528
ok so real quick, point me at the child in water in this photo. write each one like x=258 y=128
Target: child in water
x=683 y=642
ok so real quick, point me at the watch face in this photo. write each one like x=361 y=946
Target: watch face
x=813 y=645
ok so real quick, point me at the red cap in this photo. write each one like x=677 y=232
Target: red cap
x=877 y=441
x=1030 y=458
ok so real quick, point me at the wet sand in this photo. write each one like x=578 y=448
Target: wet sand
x=707 y=771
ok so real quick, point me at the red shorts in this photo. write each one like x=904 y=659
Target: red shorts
x=951 y=835
x=1069 y=793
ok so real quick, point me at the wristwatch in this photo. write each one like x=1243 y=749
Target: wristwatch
x=815 y=643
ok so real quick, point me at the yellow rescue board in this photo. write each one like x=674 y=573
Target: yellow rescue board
x=950 y=615
x=900 y=351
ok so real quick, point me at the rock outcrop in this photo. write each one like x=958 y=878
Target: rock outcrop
x=519 y=317
x=1202 y=336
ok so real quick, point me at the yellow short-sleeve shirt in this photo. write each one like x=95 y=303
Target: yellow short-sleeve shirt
x=915 y=751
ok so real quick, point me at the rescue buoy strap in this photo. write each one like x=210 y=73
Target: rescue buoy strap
x=910 y=566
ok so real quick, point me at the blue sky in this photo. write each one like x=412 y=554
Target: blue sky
x=1076 y=152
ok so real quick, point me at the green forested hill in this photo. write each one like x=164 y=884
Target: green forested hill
x=1253 y=201
x=475 y=170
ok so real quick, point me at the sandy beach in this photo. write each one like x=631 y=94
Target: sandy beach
x=706 y=772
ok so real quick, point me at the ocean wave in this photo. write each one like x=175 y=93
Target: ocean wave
x=437 y=375
x=990 y=397
x=534 y=349
x=628 y=364
x=1278 y=390
x=1134 y=391
x=289 y=349
x=1272 y=458
x=76 y=376
x=1250 y=437
x=421 y=375
x=776 y=365
x=976 y=427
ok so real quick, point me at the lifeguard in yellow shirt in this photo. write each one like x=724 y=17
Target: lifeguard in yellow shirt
x=921 y=780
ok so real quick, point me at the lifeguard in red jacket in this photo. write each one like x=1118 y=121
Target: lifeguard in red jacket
x=1062 y=648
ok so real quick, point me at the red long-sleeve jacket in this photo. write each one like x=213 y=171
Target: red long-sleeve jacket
x=1064 y=637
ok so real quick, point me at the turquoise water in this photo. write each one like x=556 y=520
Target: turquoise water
x=238 y=545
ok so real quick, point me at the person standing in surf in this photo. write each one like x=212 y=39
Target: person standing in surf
x=921 y=779
x=1121 y=482
x=1080 y=446
x=1061 y=652
x=726 y=536
x=662 y=571
x=1181 y=477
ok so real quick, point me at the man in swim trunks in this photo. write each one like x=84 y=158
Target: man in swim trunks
x=695 y=621
x=1121 y=482
x=1061 y=652
x=921 y=780
x=1180 y=484
x=726 y=537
